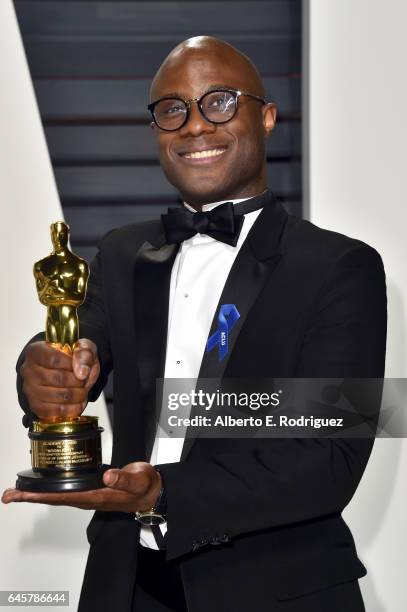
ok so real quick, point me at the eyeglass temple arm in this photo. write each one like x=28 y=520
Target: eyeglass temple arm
x=243 y=93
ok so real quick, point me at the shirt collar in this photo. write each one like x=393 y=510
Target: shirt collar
x=212 y=205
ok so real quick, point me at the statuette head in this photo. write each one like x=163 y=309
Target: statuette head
x=59 y=235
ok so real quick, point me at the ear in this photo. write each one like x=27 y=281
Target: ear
x=269 y=111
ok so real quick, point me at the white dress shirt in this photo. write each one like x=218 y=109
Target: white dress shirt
x=198 y=276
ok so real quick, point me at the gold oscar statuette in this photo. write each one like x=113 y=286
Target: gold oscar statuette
x=66 y=454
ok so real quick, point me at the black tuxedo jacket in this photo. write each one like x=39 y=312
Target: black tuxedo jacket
x=249 y=520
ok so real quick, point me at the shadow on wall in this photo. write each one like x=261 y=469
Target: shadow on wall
x=381 y=480
x=396 y=360
x=369 y=515
x=370 y=597
x=382 y=474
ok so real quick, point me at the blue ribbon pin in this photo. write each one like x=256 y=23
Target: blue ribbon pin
x=227 y=318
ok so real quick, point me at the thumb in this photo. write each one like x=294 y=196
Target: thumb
x=133 y=478
x=111 y=477
x=118 y=479
x=83 y=358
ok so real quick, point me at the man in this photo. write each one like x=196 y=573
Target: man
x=251 y=524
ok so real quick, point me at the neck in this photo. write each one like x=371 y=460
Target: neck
x=252 y=188
x=222 y=198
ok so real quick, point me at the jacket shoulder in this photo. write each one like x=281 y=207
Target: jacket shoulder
x=313 y=244
x=131 y=234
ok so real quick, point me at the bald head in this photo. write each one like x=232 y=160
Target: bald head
x=197 y=49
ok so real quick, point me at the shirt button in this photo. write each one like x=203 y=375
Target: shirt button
x=178 y=362
x=186 y=295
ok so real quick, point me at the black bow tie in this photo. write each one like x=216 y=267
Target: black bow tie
x=220 y=223
x=223 y=222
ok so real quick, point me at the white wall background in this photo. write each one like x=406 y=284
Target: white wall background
x=41 y=547
x=356 y=142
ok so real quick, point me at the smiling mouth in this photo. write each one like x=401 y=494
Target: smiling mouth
x=209 y=153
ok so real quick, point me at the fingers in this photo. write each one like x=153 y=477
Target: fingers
x=98 y=499
x=53 y=390
x=61 y=395
x=93 y=375
x=55 y=378
x=80 y=499
x=43 y=386
x=55 y=403
x=84 y=358
x=52 y=413
x=86 y=364
x=43 y=354
x=7 y=495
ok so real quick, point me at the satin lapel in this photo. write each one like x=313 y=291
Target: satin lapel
x=256 y=261
x=245 y=281
x=153 y=267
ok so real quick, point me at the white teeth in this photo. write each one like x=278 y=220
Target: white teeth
x=202 y=154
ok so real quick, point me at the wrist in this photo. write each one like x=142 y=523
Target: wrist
x=160 y=505
x=151 y=497
x=154 y=510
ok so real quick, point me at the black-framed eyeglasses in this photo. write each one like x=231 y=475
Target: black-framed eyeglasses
x=216 y=106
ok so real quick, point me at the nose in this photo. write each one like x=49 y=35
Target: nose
x=197 y=124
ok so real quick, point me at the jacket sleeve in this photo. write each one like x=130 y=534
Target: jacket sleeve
x=92 y=325
x=289 y=481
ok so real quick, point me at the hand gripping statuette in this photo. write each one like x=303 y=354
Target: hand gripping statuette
x=66 y=454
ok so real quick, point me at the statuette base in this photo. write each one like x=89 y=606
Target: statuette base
x=65 y=456
x=60 y=482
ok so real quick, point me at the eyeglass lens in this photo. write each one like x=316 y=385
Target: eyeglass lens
x=216 y=106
